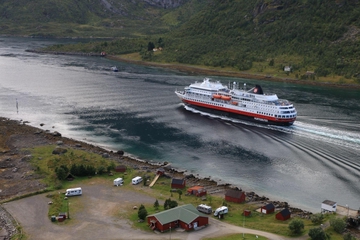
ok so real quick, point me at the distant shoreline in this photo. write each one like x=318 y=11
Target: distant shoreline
x=195 y=70
x=203 y=71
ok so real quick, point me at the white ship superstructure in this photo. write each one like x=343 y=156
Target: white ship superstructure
x=252 y=103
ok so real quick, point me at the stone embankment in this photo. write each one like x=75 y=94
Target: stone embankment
x=8 y=225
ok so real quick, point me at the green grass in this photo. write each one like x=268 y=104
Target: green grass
x=45 y=162
x=237 y=237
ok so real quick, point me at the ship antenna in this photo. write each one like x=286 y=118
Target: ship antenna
x=244 y=86
x=234 y=86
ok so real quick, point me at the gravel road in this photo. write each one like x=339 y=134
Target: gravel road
x=97 y=214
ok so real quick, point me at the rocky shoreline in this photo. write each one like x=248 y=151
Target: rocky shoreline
x=18 y=134
x=196 y=70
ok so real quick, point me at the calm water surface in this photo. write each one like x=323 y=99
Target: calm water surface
x=136 y=110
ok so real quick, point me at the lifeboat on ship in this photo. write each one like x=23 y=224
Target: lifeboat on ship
x=226 y=98
x=234 y=103
x=217 y=96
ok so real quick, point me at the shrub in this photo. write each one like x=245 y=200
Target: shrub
x=317 y=234
x=142 y=213
x=296 y=226
x=338 y=224
x=317 y=218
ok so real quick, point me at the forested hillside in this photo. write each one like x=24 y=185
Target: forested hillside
x=313 y=35
x=315 y=38
x=84 y=18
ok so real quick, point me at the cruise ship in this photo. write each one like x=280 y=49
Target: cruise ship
x=233 y=101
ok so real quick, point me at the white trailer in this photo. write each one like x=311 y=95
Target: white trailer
x=204 y=208
x=136 y=180
x=118 y=181
x=73 y=192
x=221 y=210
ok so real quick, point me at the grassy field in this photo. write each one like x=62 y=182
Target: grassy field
x=262 y=69
x=45 y=162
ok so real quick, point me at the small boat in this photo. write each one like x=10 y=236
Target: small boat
x=114 y=69
x=226 y=98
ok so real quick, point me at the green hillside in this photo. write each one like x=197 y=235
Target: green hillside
x=264 y=36
x=319 y=39
x=81 y=18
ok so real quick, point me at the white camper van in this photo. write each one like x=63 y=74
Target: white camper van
x=204 y=208
x=73 y=192
x=118 y=181
x=221 y=210
x=136 y=180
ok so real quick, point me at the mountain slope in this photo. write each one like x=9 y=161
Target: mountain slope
x=84 y=17
x=262 y=36
x=315 y=35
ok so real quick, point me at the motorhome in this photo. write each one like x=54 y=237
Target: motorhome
x=136 y=180
x=204 y=208
x=118 y=181
x=73 y=192
x=221 y=210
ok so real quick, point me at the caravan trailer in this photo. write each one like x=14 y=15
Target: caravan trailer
x=73 y=192
x=136 y=180
x=204 y=208
x=118 y=181
x=220 y=211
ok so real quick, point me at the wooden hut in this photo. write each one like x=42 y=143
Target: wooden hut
x=185 y=217
x=120 y=168
x=283 y=214
x=160 y=171
x=198 y=191
x=268 y=208
x=233 y=195
x=247 y=213
x=328 y=206
x=178 y=183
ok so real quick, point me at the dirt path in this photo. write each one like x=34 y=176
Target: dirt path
x=100 y=213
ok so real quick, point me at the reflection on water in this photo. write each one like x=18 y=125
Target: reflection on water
x=137 y=111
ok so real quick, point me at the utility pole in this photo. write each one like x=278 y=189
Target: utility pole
x=68 y=209
x=244 y=226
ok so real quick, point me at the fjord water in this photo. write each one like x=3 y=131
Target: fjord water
x=136 y=110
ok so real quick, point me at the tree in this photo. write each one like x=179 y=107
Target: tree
x=338 y=224
x=151 y=46
x=161 y=43
x=296 y=226
x=173 y=204
x=60 y=173
x=170 y=204
x=180 y=193
x=101 y=170
x=348 y=236
x=317 y=218
x=317 y=234
x=271 y=63
x=156 y=204
x=142 y=213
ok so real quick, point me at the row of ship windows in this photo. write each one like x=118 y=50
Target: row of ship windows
x=248 y=100
x=244 y=99
x=215 y=104
x=263 y=113
x=278 y=116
